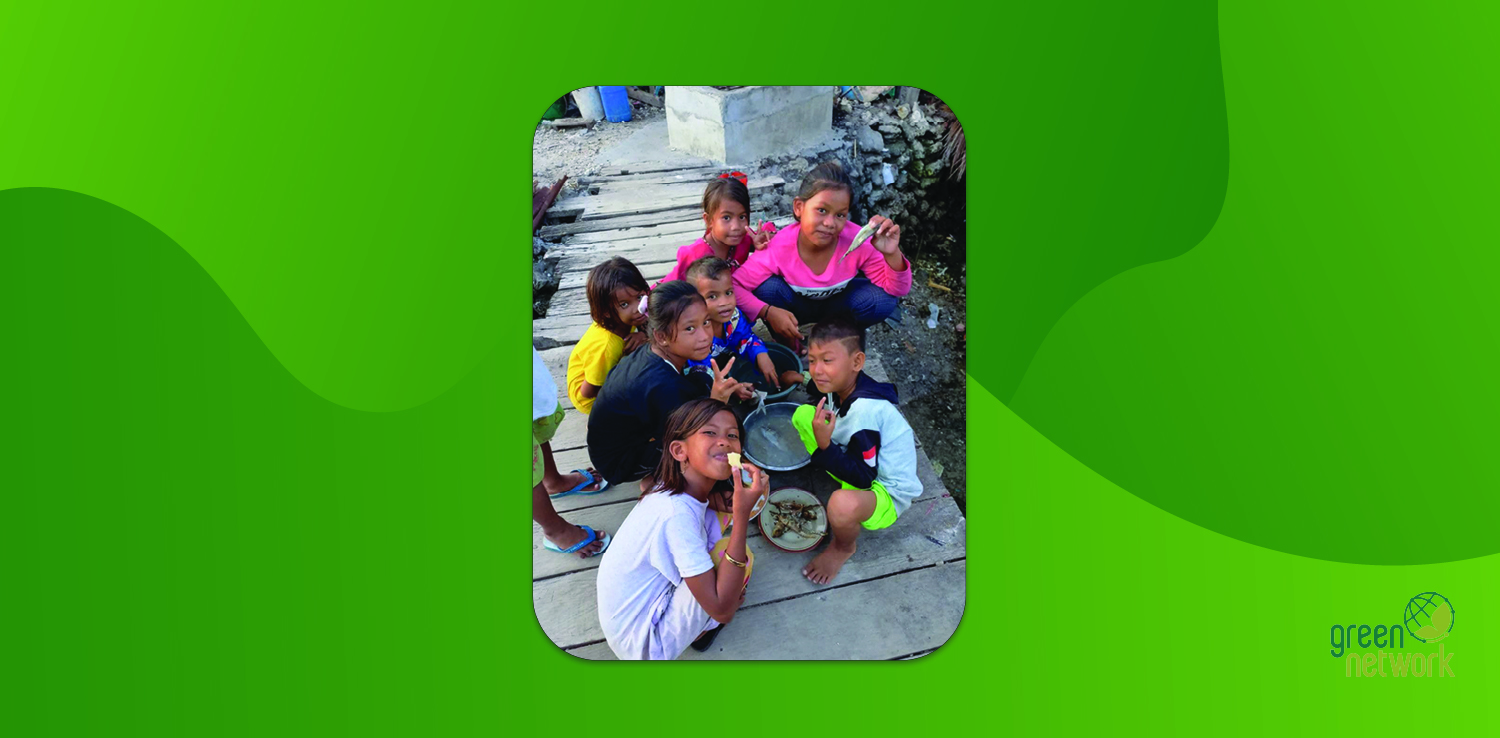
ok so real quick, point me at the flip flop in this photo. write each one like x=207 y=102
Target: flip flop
x=550 y=546
x=588 y=479
x=706 y=640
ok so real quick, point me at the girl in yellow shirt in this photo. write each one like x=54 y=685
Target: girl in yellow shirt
x=615 y=289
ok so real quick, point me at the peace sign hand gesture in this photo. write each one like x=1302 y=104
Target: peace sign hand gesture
x=760 y=237
x=725 y=386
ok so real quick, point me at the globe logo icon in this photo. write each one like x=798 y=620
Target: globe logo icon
x=1429 y=617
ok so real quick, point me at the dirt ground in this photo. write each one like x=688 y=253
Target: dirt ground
x=927 y=366
x=575 y=152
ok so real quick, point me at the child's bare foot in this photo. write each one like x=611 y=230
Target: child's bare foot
x=825 y=567
x=565 y=482
x=572 y=537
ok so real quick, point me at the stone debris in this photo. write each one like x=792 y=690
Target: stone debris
x=893 y=149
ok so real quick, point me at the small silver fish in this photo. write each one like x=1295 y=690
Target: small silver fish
x=864 y=234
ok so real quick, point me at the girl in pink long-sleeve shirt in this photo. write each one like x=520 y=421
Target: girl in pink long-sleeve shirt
x=727 y=232
x=800 y=276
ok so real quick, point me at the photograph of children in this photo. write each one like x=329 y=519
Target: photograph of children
x=748 y=351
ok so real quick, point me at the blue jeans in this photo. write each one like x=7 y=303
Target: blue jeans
x=861 y=302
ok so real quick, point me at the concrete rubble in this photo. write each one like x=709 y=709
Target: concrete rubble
x=888 y=137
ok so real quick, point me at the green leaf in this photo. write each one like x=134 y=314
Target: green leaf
x=1442 y=618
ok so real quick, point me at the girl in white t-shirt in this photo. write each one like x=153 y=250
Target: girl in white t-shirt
x=659 y=586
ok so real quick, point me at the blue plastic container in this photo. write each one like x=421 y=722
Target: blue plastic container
x=616 y=103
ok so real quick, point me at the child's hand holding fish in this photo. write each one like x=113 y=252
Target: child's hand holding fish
x=887 y=239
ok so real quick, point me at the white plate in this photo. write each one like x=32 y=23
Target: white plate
x=792 y=541
x=760 y=504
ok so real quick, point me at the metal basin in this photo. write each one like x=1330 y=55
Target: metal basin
x=771 y=442
x=783 y=358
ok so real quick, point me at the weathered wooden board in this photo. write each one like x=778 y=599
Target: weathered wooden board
x=572 y=302
x=566 y=332
x=555 y=322
x=641 y=253
x=651 y=270
x=664 y=228
x=905 y=614
x=658 y=169
x=572 y=432
x=636 y=197
x=609 y=515
x=556 y=361
x=566 y=605
x=581 y=257
x=607 y=195
x=652 y=219
x=647 y=217
x=699 y=177
x=578 y=458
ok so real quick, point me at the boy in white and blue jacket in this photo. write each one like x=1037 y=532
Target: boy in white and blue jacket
x=857 y=434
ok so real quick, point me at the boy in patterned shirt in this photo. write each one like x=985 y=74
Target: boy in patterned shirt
x=731 y=329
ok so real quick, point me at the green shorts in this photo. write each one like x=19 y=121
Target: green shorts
x=542 y=431
x=885 y=509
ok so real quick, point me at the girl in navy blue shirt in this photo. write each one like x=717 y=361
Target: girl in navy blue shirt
x=630 y=414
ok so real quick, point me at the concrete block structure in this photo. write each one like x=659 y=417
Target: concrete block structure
x=747 y=124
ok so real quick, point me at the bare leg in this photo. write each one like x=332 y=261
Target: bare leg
x=847 y=509
x=560 y=532
x=556 y=482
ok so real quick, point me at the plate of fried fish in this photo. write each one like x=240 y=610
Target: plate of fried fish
x=793 y=520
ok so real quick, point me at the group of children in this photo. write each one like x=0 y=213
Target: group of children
x=653 y=373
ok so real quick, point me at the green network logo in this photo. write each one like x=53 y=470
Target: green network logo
x=1428 y=618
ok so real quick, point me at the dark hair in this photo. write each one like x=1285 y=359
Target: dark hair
x=708 y=266
x=829 y=175
x=722 y=189
x=682 y=423
x=837 y=330
x=603 y=280
x=668 y=301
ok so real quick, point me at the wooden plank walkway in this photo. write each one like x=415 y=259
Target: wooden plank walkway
x=902 y=594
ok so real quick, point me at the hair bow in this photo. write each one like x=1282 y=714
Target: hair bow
x=741 y=176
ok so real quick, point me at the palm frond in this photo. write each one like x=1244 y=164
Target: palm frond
x=955 y=155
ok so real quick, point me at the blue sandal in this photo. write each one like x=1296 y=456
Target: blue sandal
x=588 y=479
x=575 y=548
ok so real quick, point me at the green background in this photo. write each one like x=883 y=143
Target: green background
x=1234 y=371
